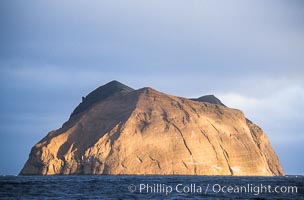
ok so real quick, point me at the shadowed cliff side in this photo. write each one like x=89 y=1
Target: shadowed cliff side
x=100 y=94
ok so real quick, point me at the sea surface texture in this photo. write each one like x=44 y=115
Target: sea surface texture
x=151 y=187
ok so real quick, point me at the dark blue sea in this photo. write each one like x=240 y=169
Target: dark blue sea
x=151 y=187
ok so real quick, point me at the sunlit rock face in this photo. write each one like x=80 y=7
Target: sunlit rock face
x=118 y=130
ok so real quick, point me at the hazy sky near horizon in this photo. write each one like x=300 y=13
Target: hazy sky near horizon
x=250 y=54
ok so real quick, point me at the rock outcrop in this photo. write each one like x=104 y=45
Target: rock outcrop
x=118 y=130
x=209 y=99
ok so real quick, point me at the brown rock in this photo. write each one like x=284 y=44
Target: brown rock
x=147 y=132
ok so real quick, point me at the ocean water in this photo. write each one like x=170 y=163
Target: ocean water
x=151 y=187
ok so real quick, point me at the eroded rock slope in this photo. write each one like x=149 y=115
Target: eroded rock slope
x=126 y=131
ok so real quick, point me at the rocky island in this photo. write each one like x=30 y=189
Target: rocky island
x=119 y=130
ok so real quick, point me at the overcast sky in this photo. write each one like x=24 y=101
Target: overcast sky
x=250 y=54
